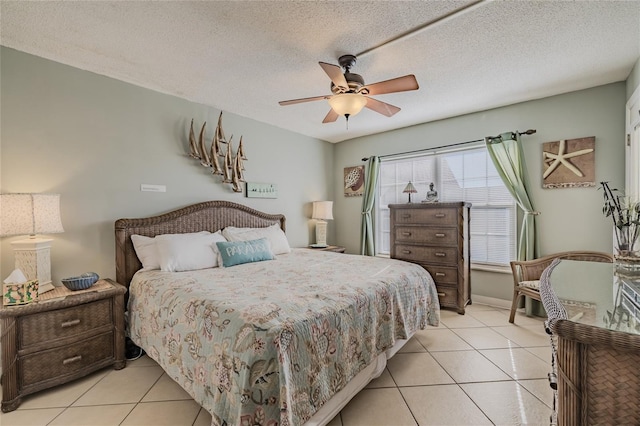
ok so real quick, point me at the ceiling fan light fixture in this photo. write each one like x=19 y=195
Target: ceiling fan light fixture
x=347 y=104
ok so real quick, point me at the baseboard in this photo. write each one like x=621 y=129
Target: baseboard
x=491 y=301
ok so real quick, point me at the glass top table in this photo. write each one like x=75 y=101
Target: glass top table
x=592 y=294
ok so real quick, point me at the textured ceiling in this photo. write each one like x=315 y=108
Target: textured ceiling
x=245 y=56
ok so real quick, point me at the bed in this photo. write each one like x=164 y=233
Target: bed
x=287 y=341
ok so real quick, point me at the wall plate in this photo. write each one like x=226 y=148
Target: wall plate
x=262 y=190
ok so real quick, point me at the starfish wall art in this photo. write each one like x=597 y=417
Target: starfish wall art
x=569 y=163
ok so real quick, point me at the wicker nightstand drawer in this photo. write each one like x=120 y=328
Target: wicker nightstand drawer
x=67 y=360
x=64 y=322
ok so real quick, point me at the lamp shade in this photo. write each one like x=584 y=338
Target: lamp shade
x=410 y=189
x=322 y=210
x=22 y=214
x=347 y=103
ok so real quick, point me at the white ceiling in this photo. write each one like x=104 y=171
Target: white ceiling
x=245 y=56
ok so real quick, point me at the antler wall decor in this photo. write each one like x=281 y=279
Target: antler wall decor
x=232 y=169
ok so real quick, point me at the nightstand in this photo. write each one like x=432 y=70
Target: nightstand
x=63 y=336
x=336 y=249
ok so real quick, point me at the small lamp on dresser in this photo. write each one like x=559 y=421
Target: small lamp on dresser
x=322 y=211
x=409 y=189
x=31 y=214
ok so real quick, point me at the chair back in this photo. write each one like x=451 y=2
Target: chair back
x=530 y=270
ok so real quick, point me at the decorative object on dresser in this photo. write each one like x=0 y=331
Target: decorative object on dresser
x=62 y=337
x=322 y=211
x=432 y=195
x=436 y=236
x=31 y=214
x=569 y=163
x=409 y=189
x=17 y=290
x=81 y=282
x=222 y=162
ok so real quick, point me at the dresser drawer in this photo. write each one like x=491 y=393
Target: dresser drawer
x=447 y=296
x=428 y=235
x=425 y=254
x=64 y=322
x=442 y=274
x=432 y=216
x=66 y=360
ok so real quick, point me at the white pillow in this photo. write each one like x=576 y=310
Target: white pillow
x=188 y=252
x=275 y=235
x=147 y=252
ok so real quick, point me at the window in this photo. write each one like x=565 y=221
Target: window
x=464 y=175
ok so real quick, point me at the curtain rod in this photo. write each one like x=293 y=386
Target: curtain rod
x=528 y=132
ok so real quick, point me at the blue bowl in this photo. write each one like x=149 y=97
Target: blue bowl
x=81 y=282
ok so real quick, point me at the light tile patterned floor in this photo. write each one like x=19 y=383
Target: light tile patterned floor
x=474 y=369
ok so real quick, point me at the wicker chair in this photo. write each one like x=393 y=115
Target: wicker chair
x=526 y=274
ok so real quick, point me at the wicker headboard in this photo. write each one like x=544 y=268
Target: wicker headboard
x=208 y=216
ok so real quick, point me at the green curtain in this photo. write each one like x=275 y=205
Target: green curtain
x=367 y=236
x=506 y=152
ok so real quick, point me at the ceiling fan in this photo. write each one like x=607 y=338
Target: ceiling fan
x=350 y=92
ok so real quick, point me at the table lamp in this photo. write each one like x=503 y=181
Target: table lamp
x=409 y=189
x=322 y=211
x=31 y=214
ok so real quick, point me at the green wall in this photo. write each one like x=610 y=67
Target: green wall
x=94 y=140
x=571 y=219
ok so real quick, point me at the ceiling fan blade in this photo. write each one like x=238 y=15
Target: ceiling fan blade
x=335 y=74
x=400 y=84
x=331 y=117
x=301 y=100
x=381 y=107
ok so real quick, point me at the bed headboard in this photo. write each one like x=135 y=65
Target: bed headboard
x=208 y=216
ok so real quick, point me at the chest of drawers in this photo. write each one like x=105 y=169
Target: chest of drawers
x=436 y=236
x=48 y=343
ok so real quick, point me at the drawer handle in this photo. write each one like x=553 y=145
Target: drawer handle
x=439 y=214
x=440 y=235
x=406 y=216
x=440 y=274
x=442 y=294
x=440 y=254
x=407 y=234
x=406 y=251
x=72 y=359
x=70 y=323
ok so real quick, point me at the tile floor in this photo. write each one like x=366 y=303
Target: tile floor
x=474 y=369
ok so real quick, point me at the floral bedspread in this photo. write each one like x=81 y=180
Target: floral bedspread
x=268 y=343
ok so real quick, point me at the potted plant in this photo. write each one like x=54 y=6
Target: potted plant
x=625 y=214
